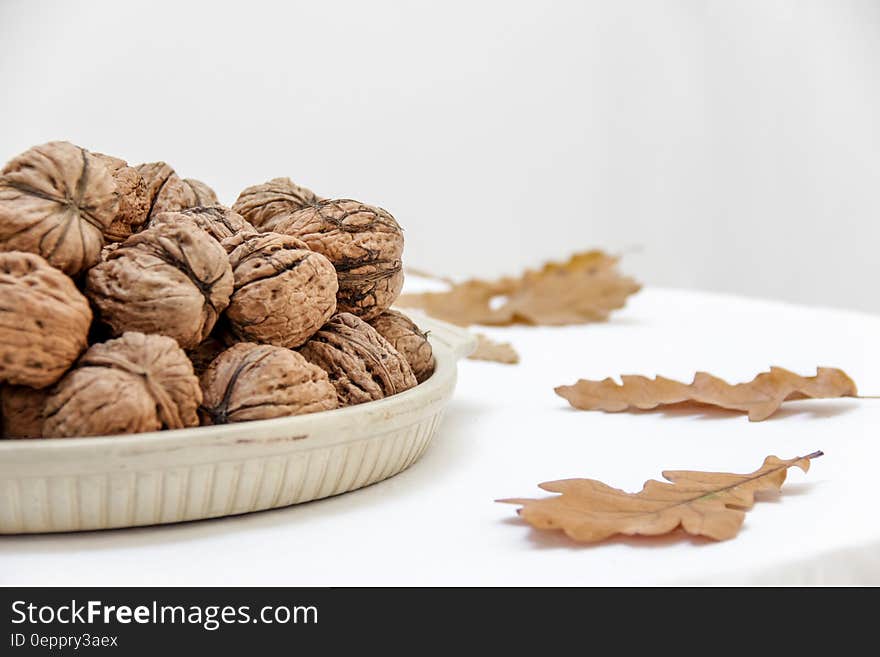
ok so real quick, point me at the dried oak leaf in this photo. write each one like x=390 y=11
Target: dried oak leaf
x=167 y=192
x=710 y=504
x=131 y=190
x=57 y=200
x=362 y=365
x=21 y=411
x=760 y=397
x=404 y=335
x=497 y=352
x=172 y=280
x=219 y=222
x=282 y=294
x=44 y=321
x=259 y=381
x=131 y=384
x=584 y=289
x=364 y=243
x=260 y=203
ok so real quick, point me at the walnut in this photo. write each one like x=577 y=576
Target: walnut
x=201 y=193
x=403 y=334
x=283 y=293
x=170 y=193
x=21 y=412
x=44 y=321
x=172 y=279
x=362 y=365
x=260 y=203
x=128 y=385
x=365 y=245
x=56 y=200
x=219 y=222
x=258 y=381
x=131 y=190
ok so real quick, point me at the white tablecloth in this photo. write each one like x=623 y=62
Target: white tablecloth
x=506 y=431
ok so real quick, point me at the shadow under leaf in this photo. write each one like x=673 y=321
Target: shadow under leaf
x=811 y=408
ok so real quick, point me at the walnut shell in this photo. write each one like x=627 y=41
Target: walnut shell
x=44 y=321
x=56 y=200
x=219 y=222
x=21 y=412
x=403 y=334
x=201 y=193
x=283 y=293
x=131 y=190
x=173 y=280
x=131 y=384
x=260 y=203
x=170 y=193
x=257 y=381
x=364 y=243
x=362 y=365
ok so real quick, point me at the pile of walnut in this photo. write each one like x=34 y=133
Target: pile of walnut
x=131 y=300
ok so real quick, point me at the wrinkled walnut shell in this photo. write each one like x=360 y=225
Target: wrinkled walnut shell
x=362 y=365
x=168 y=192
x=257 y=382
x=21 y=412
x=403 y=334
x=131 y=384
x=131 y=190
x=219 y=222
x=44 y=321
x=173 y=280
x=201 y=194
x=56 y=200
x=364 y=243
x=283 y=293
x=260 y=203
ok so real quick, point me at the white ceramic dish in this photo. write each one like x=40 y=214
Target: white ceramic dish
x=80 y=484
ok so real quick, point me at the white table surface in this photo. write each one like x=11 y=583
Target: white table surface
x=506 y=431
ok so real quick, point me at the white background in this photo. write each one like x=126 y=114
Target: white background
x=719 y=145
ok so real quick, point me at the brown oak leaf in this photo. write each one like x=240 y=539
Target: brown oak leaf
x=760 y=397
x=708 y=504
x=497 y=352
x=585 y=288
